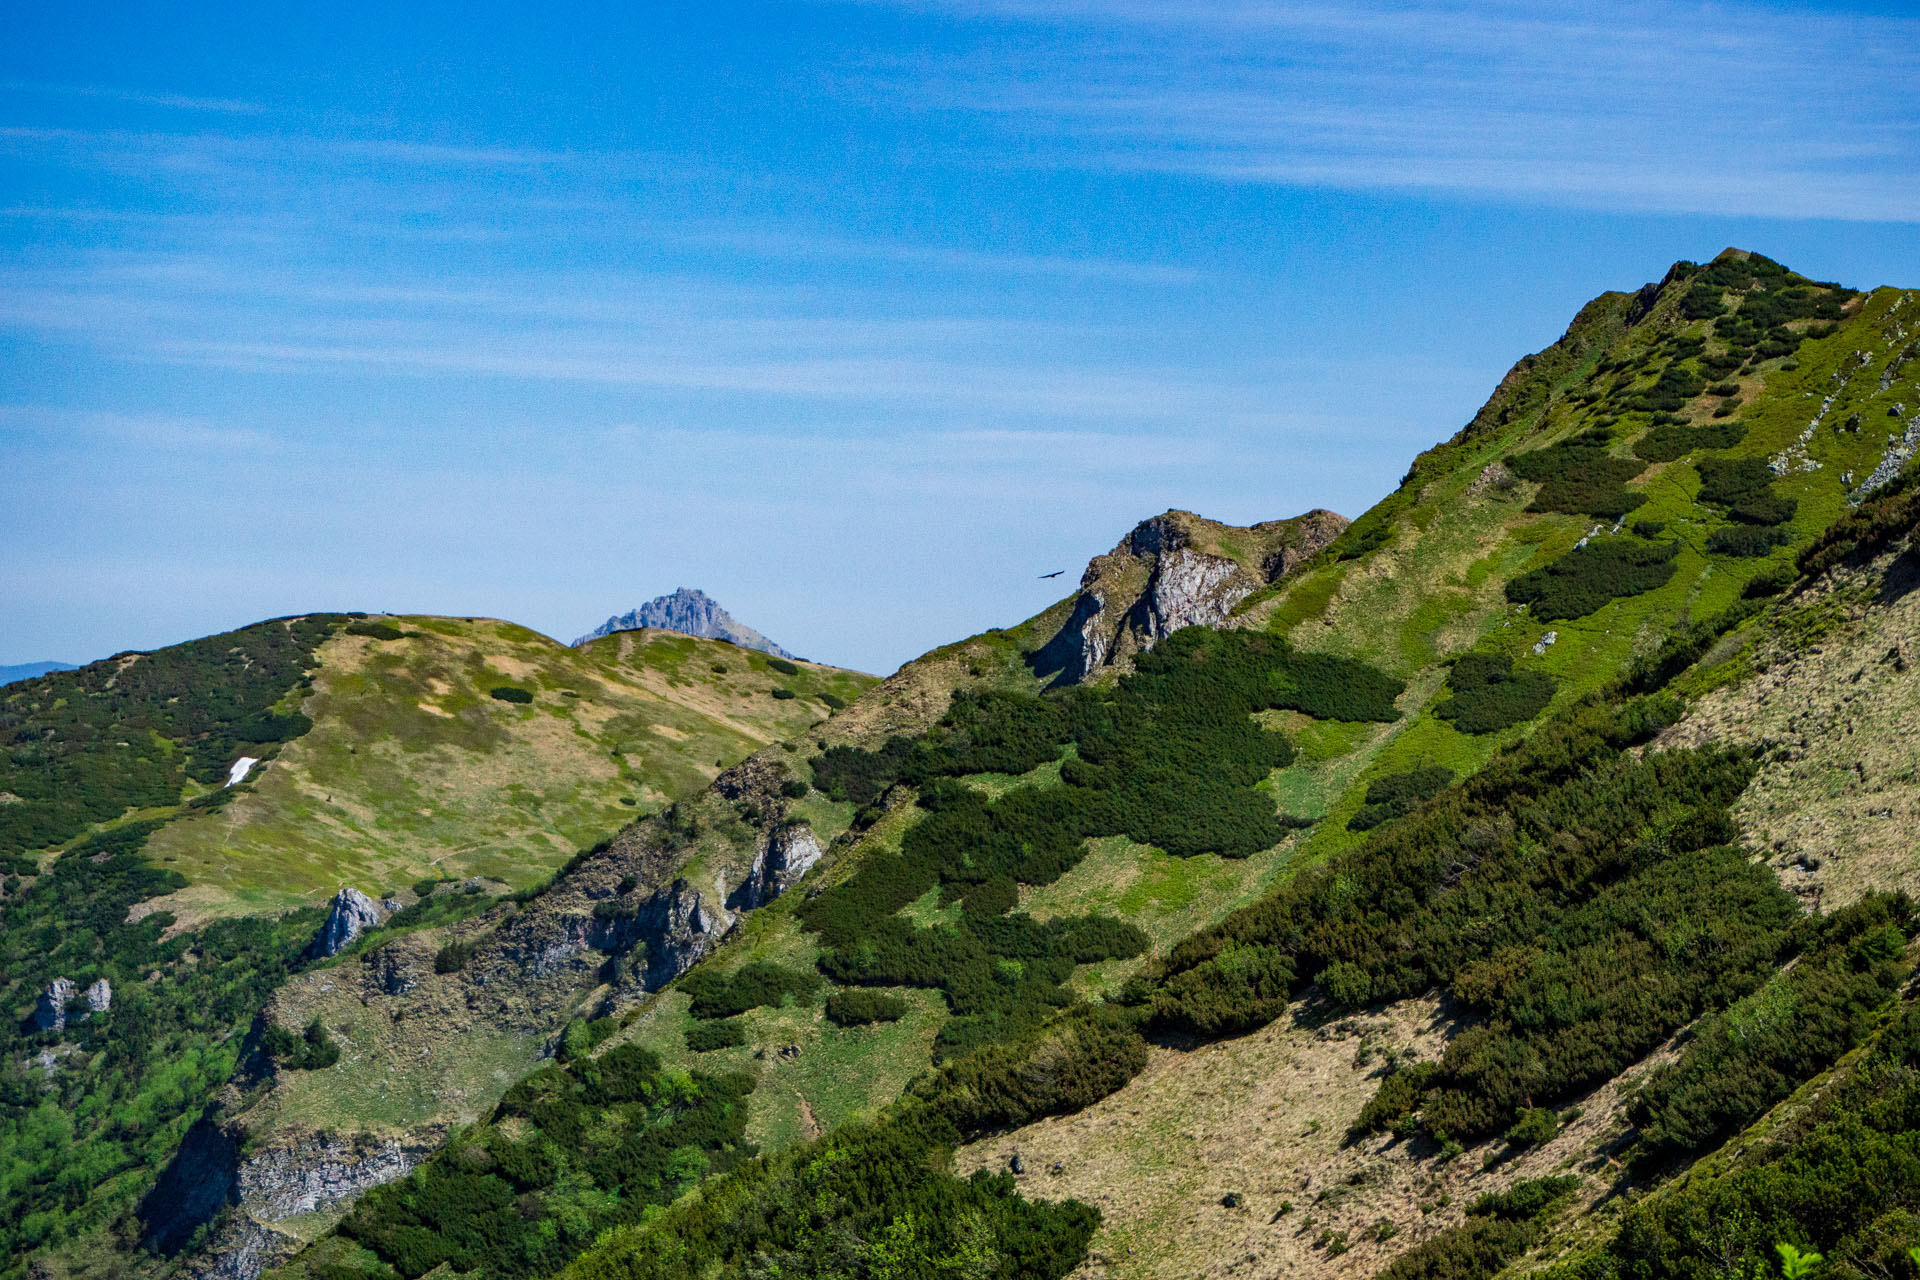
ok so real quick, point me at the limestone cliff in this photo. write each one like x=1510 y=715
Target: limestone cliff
x=1175 y=570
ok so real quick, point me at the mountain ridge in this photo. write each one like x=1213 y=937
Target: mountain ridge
x=28 y=670
x=1444 y=820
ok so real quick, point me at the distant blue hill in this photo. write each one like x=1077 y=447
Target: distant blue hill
x=28 y=670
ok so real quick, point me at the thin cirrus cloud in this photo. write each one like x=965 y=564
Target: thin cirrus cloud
x=1784 y=112
x=660 y=331
x=170 y=101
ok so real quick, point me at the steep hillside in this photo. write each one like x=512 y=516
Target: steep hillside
x=173 y=822
x=1533 y=1002
x=1642 y=532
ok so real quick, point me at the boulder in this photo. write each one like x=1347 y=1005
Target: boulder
x=353 y=913
x=50 y=1012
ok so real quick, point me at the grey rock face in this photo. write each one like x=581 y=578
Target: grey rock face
x=1192 y=590
x=1172 y=572
x=787 y=856
x=392 y=971
x=50 y=1011
x=100 y=996
x=242 y=1249
x=307 y=1173
x=689 y=612
x=682 y=928
x=352 y=914
x=321 y=1172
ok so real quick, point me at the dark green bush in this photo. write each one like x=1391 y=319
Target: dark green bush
x=582 y=1036
x=1837 y=1176
x=1587 y=578
x=795 y=788
x=851 y=774
x=1534 y=1127
x=722 y=995
x=856 y=1007
x=1524 y=1201
x=877 y=1204
x=1528 y=894
x=453 y=957
x=1669 y=442
x=1395 y=1099
x=185 y=712
x=1362 y=536
x=616 y=1128
x=1398 y=794
x=309 y=1051
x=1703 y=302
x=1489 y=695
x=1884 y=517
x=1746 y=541
x=705 y=1037
x=1058 y=1069
x=508 y=693
x=785 y=695
x=1747 y=1058
x=1768 y=583
x=1580 y=476
x=1745 y=487
x=832 y=701
x=1498 y=1229
x=375 y=630
x=143 y=1073
x=784 y=667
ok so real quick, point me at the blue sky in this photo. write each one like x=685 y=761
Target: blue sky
x=858 y=316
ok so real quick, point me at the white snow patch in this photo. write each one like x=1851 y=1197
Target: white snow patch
x=241 y=768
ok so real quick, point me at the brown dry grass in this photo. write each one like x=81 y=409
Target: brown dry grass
x=1265 y=1117
x=1836 y=700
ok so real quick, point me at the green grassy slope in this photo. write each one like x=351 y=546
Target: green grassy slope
x=413 y=769
x=1460 y=528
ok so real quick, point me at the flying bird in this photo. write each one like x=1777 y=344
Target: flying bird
x=1056 y=573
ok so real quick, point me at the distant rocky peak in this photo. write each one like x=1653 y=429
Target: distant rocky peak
x=1175 y=570
x=690 y=612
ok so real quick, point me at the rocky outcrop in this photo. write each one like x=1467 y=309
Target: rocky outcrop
x=393 y=970
x=320 y=1171
x=1173 y=571
x=678 y=927
x=50 y=1011
x=242 y=1249
x=1192 y=590
x=693 y=613
x=99 y=996
x=213 y=1179
x=352 y=914
x=786 y=855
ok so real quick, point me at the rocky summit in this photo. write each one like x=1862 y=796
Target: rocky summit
x=690 y=612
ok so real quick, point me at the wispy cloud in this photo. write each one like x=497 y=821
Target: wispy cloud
x=1704 y=108
x=171 y=101
x=169 y=433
